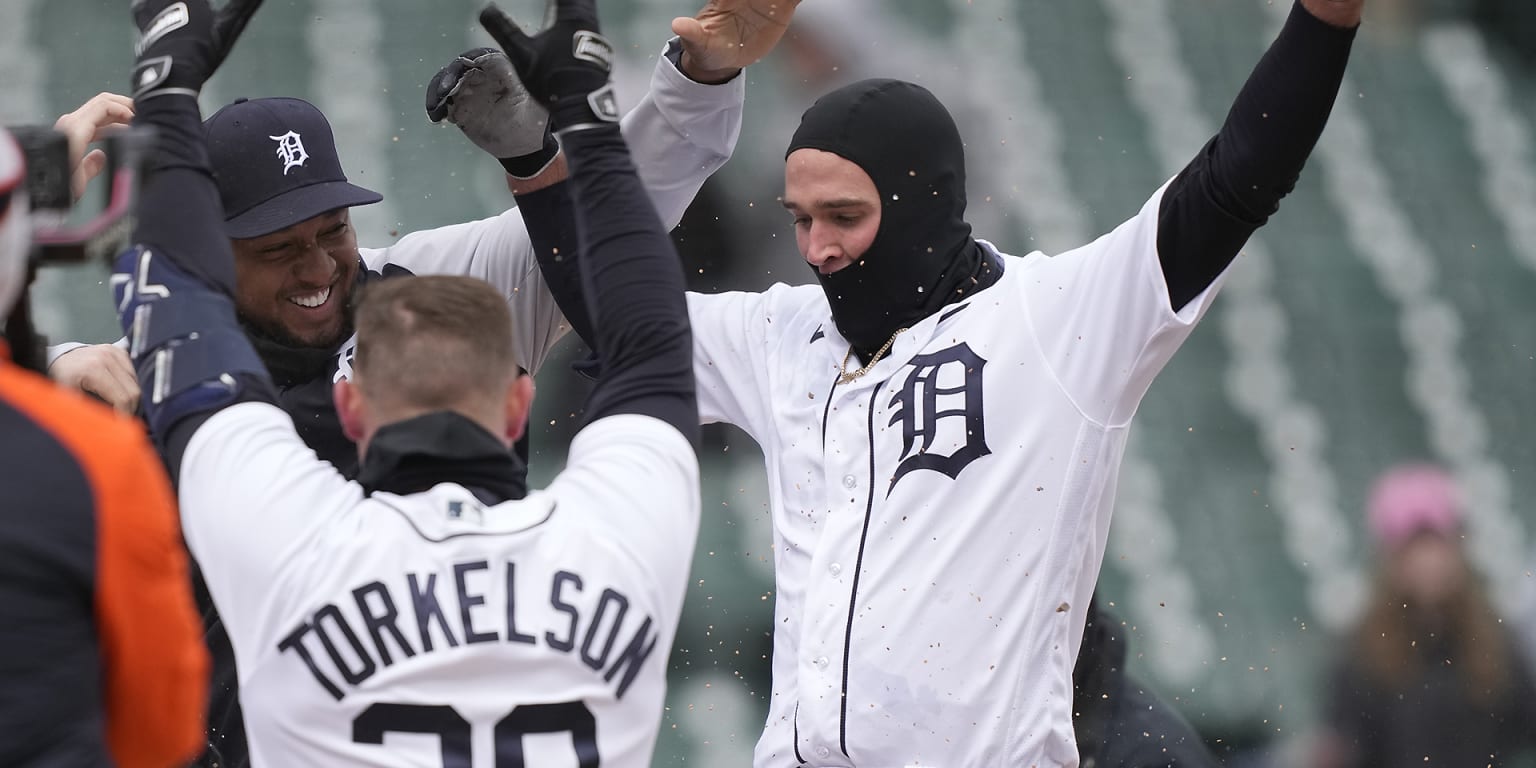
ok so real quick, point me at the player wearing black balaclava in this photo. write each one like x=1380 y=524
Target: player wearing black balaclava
x=923 y=256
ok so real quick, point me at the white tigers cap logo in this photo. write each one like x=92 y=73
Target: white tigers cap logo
x=290 y=148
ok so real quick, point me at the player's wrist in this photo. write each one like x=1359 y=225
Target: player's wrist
x=689 y=66
x=552 y=174
x=583 y=111
x=531 y=165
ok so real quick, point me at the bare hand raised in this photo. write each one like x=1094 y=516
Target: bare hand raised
x=93 y=121
x=730 y=34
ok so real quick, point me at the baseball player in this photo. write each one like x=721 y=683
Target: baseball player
x=943 y=422
x=436 y=617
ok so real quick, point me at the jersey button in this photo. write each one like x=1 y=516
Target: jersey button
x=834 y=569
x=849 y=481
x=823 y=752
x=822 y=662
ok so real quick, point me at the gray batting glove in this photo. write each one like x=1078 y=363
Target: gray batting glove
x=481 y=94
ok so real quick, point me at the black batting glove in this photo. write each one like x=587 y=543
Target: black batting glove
x=565 y=66
x=182 y=42
x=479 y=92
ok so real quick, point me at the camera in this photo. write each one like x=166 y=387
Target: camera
x=67 y=232
x=47 y=157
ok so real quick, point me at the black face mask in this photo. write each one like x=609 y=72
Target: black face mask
x=923 y=256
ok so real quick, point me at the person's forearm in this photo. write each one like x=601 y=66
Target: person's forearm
x=678 y=135
x=633 y=282
x=1237 y=180
x=550 y=214
x=180 y=214
x=557 y=171
x=673 y=162
x=177 y=284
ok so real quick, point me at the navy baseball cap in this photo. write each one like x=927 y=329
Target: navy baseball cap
x=275 y=164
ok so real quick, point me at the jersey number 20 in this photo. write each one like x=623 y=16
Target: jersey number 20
x=452 y=729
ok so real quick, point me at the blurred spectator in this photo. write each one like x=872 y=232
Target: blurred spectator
x=1430 y=677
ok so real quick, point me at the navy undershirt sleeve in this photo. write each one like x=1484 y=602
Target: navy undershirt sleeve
x=550 y=215
x=633 y=283
x=180 y=216
x=180 y=219
x=1235 y=183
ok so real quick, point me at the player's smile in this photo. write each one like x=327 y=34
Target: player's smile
x=313 y=314
x=296 y=281
x=314 y=300
x=316 y=306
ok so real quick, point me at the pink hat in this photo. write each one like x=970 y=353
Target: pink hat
x=1411 y=498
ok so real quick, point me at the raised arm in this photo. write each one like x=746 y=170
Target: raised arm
x=175 y=286
x=683 y=125
x=207 y=397
x=712 y=47
x=680 y=133
x=1235 y=183
x=630 y=272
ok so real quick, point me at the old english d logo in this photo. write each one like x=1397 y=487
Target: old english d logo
x=942 y=394
x=290 y=149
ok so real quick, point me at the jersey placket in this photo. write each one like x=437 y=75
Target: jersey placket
x=849 y=472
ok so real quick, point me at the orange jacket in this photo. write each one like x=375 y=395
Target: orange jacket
x=100 y=646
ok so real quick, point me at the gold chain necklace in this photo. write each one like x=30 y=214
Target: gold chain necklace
x=845 y=377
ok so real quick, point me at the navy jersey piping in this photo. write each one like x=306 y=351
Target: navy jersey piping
x=825 y=411
x=795 y=723
x=953 y=311
x=858 y=567
x=412 y=523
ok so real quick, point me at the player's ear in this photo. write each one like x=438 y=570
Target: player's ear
x=519 y=402
x=350 y=408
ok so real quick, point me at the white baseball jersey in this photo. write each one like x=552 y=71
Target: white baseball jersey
x=431 y=629
x=939 y=522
